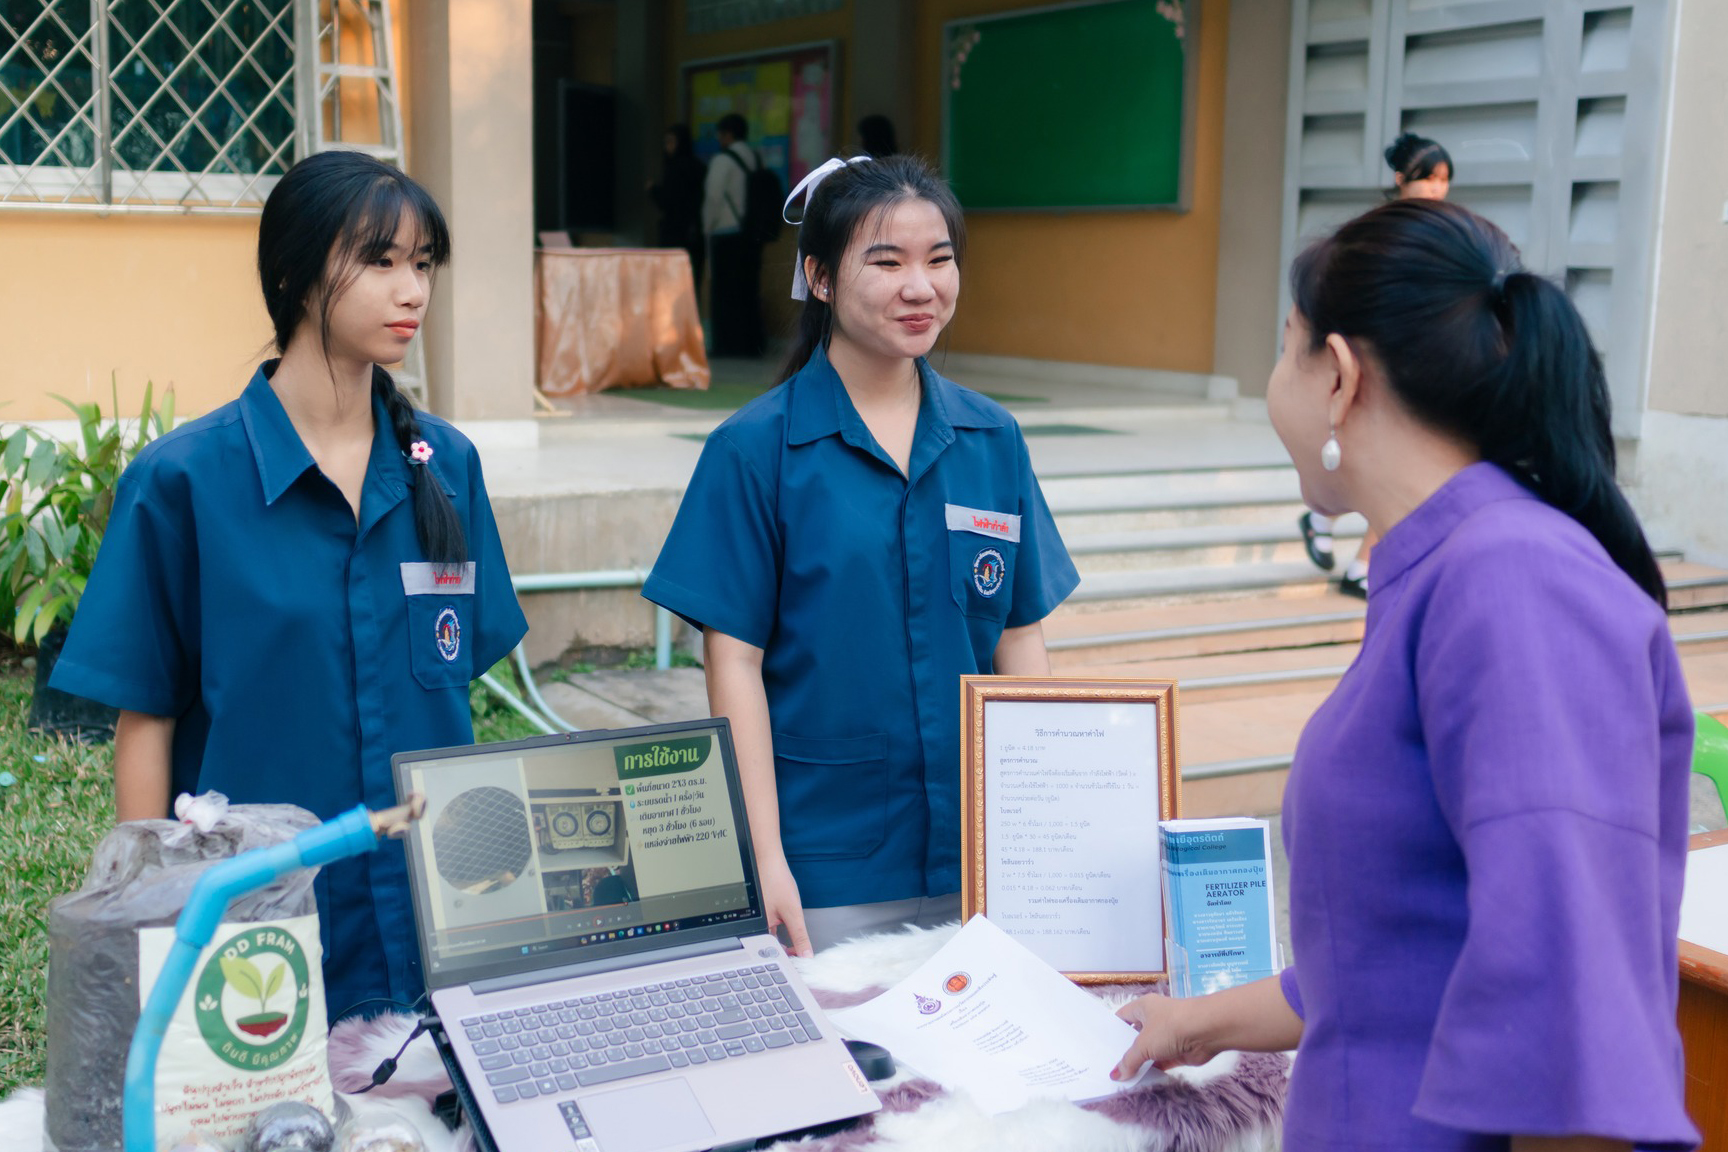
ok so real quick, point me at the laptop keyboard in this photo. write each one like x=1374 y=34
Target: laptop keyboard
x=546 y=1049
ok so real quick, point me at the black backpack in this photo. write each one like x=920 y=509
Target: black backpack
x=764 y=200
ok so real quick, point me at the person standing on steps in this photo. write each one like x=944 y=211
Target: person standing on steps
x=852 y=543
x=734 y=256
x=1421 y=170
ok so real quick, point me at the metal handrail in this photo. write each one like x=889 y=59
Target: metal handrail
x=535 y=709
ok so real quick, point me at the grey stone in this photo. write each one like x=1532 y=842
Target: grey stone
x=663 y=697
x=1706 y=814
x=586 y=710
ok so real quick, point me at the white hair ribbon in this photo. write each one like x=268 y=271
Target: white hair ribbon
x=807 y=188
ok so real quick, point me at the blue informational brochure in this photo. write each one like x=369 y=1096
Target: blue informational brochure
x=1220 y=914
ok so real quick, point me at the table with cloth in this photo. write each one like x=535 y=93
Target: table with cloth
x=1233 y=1104
x=616 y=317
x=1703 y=1012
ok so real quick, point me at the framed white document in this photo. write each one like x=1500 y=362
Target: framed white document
x=1063 y=782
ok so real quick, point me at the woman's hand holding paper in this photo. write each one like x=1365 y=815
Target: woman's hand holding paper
x=1165 y=1038
x=1251 y=1018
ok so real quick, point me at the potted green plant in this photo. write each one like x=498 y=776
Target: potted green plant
x=55 y=498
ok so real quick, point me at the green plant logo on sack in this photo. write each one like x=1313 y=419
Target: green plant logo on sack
x=252 y=998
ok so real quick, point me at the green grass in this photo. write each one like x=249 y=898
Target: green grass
x=1065 y=430
x=60 y=804
x=494 y=720
x=714 y=398
x=642 y=659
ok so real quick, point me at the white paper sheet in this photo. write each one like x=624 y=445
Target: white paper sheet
x=987 y=1017
x=1704 y=905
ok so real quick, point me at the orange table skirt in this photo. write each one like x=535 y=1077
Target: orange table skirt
x=616 y=318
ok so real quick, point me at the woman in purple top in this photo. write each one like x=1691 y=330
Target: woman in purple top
x=1486 y=821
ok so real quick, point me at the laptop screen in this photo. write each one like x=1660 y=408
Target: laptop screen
x=540 y=853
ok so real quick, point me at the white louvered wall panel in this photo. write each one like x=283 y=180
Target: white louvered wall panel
x=1551 y=110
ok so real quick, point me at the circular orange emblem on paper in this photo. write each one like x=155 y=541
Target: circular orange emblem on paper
x=957 y=983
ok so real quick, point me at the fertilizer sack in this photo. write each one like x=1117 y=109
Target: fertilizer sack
x=250 y=1027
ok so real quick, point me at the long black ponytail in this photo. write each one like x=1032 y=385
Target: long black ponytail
x=332 y=214
x=1475 y=345
x=844 y=201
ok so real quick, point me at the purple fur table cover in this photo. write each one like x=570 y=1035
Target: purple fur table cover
x=1233 y=1104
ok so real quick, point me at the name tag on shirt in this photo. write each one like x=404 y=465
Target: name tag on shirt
x=1000 y=525
x=433 y=579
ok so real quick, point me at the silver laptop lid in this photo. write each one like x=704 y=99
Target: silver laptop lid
x=586 y=846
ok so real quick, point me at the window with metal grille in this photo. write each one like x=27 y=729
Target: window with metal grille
x=183 y=104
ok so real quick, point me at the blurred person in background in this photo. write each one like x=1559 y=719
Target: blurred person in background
x=876 y=136
x=678 y=196
x=1421 y=170
x=735 y=296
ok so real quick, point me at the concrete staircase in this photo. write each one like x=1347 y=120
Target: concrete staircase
x=1181 y=519
x=1199 y=575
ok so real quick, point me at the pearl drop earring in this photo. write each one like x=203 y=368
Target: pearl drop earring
x=1331 y=455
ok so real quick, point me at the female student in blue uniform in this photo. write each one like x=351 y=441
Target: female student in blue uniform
x=1486 y=821
x=852 y=543
x=305 y=581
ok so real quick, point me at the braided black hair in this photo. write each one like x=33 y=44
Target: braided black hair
x=330 y=216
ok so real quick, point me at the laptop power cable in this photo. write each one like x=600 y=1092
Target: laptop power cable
x=387 y=1067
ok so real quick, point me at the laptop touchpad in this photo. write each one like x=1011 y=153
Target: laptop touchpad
x=647 y=1118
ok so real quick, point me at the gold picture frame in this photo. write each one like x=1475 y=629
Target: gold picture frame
x=1110 y=804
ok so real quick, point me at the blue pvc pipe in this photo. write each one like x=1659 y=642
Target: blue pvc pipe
x=349 y=834
x=662 y=638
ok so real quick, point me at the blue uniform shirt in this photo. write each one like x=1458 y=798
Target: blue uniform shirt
x=871 y=593
x=296 y=648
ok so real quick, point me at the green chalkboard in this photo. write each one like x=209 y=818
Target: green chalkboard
x=1071 y=107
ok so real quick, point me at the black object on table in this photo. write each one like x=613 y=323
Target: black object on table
x=873 y=1060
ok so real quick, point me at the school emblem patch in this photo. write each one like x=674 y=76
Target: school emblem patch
x=988 y=570
x=448 y=631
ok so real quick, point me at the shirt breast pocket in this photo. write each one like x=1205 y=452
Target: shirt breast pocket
x=440 y=623
x=981 y=560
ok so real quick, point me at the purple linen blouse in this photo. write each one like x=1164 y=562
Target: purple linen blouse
x=1486 y=825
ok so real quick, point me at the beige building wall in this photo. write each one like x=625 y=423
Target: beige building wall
x=472 y=146
x=173 y=299
x=168 y=299
x=1256 y=82
x=1681 y=466
x=1689 y=346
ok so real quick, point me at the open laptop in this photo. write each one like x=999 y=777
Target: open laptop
x=593 y=938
